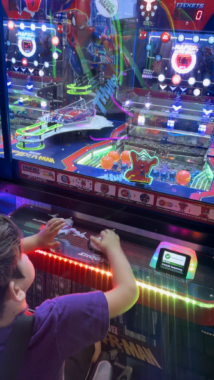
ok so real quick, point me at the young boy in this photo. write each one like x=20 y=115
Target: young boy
x=67 y=324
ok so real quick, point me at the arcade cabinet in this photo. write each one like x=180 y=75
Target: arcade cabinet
x=109 y=109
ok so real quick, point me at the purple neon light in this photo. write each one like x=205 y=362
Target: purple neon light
x=109 y=138
x=121 y=108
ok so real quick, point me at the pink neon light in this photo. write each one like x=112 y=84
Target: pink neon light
x=121 y=108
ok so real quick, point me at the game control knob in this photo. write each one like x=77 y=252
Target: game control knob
x=172 y=176
x=164 y=176
x=93 y=246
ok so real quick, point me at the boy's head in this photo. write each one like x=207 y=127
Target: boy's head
x=16 y=270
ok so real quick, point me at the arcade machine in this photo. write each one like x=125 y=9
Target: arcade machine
x=111 y=117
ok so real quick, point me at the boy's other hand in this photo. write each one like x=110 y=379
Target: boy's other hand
x=109 y=243
x=46 y=236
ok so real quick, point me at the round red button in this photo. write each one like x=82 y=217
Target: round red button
x=165 y=37
x=24 y=61
x=176 y=79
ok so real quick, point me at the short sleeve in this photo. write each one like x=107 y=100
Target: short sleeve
x=83 y=319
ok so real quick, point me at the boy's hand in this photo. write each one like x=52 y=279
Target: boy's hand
x=110 y=242
x=45 y=238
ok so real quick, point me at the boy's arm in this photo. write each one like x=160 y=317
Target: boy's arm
x=45 y=238
x=125 y=291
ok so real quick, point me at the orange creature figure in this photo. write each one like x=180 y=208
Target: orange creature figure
x=140 y=168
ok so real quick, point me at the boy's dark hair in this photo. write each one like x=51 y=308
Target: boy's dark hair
x=10 y=246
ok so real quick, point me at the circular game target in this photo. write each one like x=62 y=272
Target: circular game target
x=144 y=198
x=184 y=60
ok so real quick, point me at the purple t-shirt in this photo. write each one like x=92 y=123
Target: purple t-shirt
x=62 y=327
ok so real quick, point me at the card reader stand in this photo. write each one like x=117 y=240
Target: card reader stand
x=175 y=260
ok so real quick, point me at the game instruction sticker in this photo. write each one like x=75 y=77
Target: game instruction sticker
x=79 y=183
x=179 y=206
x=37 y=173
x=105 y=190
x=134 y=196
x=207 y=213
x=107 y=8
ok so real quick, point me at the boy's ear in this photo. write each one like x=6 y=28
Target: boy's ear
x=15 y=293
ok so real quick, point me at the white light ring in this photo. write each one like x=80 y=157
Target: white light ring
x=30 y=54
x=188 y=69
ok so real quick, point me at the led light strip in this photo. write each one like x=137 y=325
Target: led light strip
x=66 y=260
x=174 y=295
x=143 y=285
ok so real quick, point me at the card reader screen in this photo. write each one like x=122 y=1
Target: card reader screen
x=173 y=262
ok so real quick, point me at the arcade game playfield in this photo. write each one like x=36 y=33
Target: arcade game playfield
x=114 y=101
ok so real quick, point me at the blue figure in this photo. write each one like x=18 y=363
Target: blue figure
x=172 y=176
x=155 y=174
x=115 y=166
x=164 y=176
x=124 y=167
x=164 y=140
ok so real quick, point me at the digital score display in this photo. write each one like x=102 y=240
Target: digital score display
x=174 y=263
x=189 y=12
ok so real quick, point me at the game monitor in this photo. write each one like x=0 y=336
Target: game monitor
x=116 y=101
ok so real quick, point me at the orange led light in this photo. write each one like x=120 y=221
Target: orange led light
x=81 y=265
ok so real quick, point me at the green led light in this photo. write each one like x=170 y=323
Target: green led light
x=96 y=153
x=36 y=133
x=74 y=90
x=24 y=100
x=22 y=131
x=21 y=147
x=143 y=285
